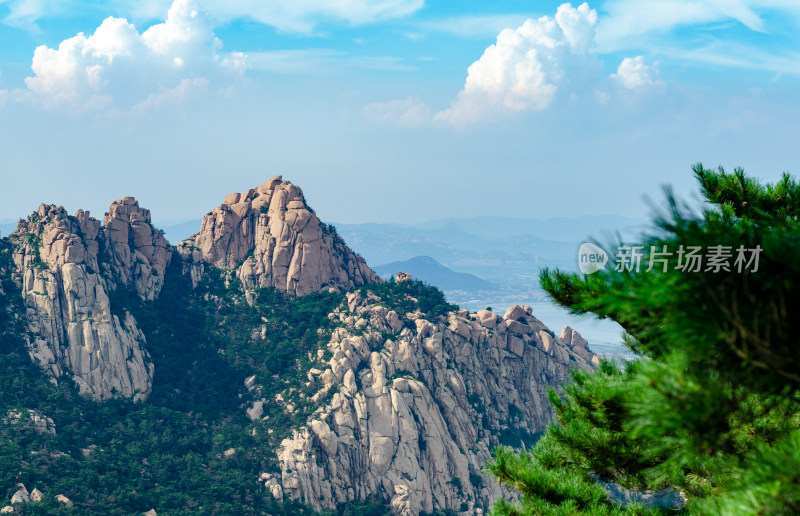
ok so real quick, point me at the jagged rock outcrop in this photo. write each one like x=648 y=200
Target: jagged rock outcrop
x=65 y=267
x=137 y=253
x=413 y=416
x=272 y=238
x=40 y=423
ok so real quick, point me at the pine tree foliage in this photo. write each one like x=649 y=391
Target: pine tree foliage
x=711 y=409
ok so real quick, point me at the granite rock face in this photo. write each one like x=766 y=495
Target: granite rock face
x=413 y=417
x=66 y=267
x=269 y=237
x=137 y=253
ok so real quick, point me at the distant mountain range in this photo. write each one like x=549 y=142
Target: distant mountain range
x=560 y=229
x=504 y=251
x=430 y=271
x=7 y=226
x=462 y=232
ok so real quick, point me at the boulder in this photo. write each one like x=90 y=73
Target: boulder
x=516 y=312
x=64 y=500
x=21 y=496
x=572 y=338
x=487 y=318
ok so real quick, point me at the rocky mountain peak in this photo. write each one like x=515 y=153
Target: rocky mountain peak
x=136 y=252
x=65 y=266
x=271 y=238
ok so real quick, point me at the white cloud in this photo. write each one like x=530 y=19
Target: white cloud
x=470 y=26
x=299 y=16
x=23 y=14
x=117 y=65
x=165 y=98
x=525 y=67
x=304 y=15
x=627 y=19
x=403 y=113
x=634 y=74
x=736 y=55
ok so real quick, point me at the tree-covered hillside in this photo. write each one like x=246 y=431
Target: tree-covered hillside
x=188 y=449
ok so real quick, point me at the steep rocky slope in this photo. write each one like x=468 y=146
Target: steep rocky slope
x=66 y=266
x=355 y=388
x=271 y=238
x=416 y=402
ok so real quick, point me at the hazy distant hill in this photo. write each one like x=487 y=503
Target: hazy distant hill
x=481 y=242
x=7 y=226
x=175 y=231
x=430 y=271
x=562 y=229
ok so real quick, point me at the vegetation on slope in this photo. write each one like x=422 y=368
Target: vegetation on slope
x=407 y=296
x=711 y=411
x=168 y=453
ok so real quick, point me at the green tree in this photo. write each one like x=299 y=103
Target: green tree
x=711 y=408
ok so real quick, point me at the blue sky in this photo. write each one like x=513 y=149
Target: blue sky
x=392 y=110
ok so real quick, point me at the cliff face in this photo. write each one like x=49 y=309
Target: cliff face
x=136 y=254
x=418 y=402
x=273 y=239
x=65 y=266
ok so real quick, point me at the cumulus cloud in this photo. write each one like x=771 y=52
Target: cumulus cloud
x=634 y=74
x=119 y=66
x=524 y=69
x=408 y=112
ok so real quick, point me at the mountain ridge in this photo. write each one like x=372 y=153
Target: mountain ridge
x=332 y=386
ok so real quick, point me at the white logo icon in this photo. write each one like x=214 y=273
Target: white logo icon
x=591 y=258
